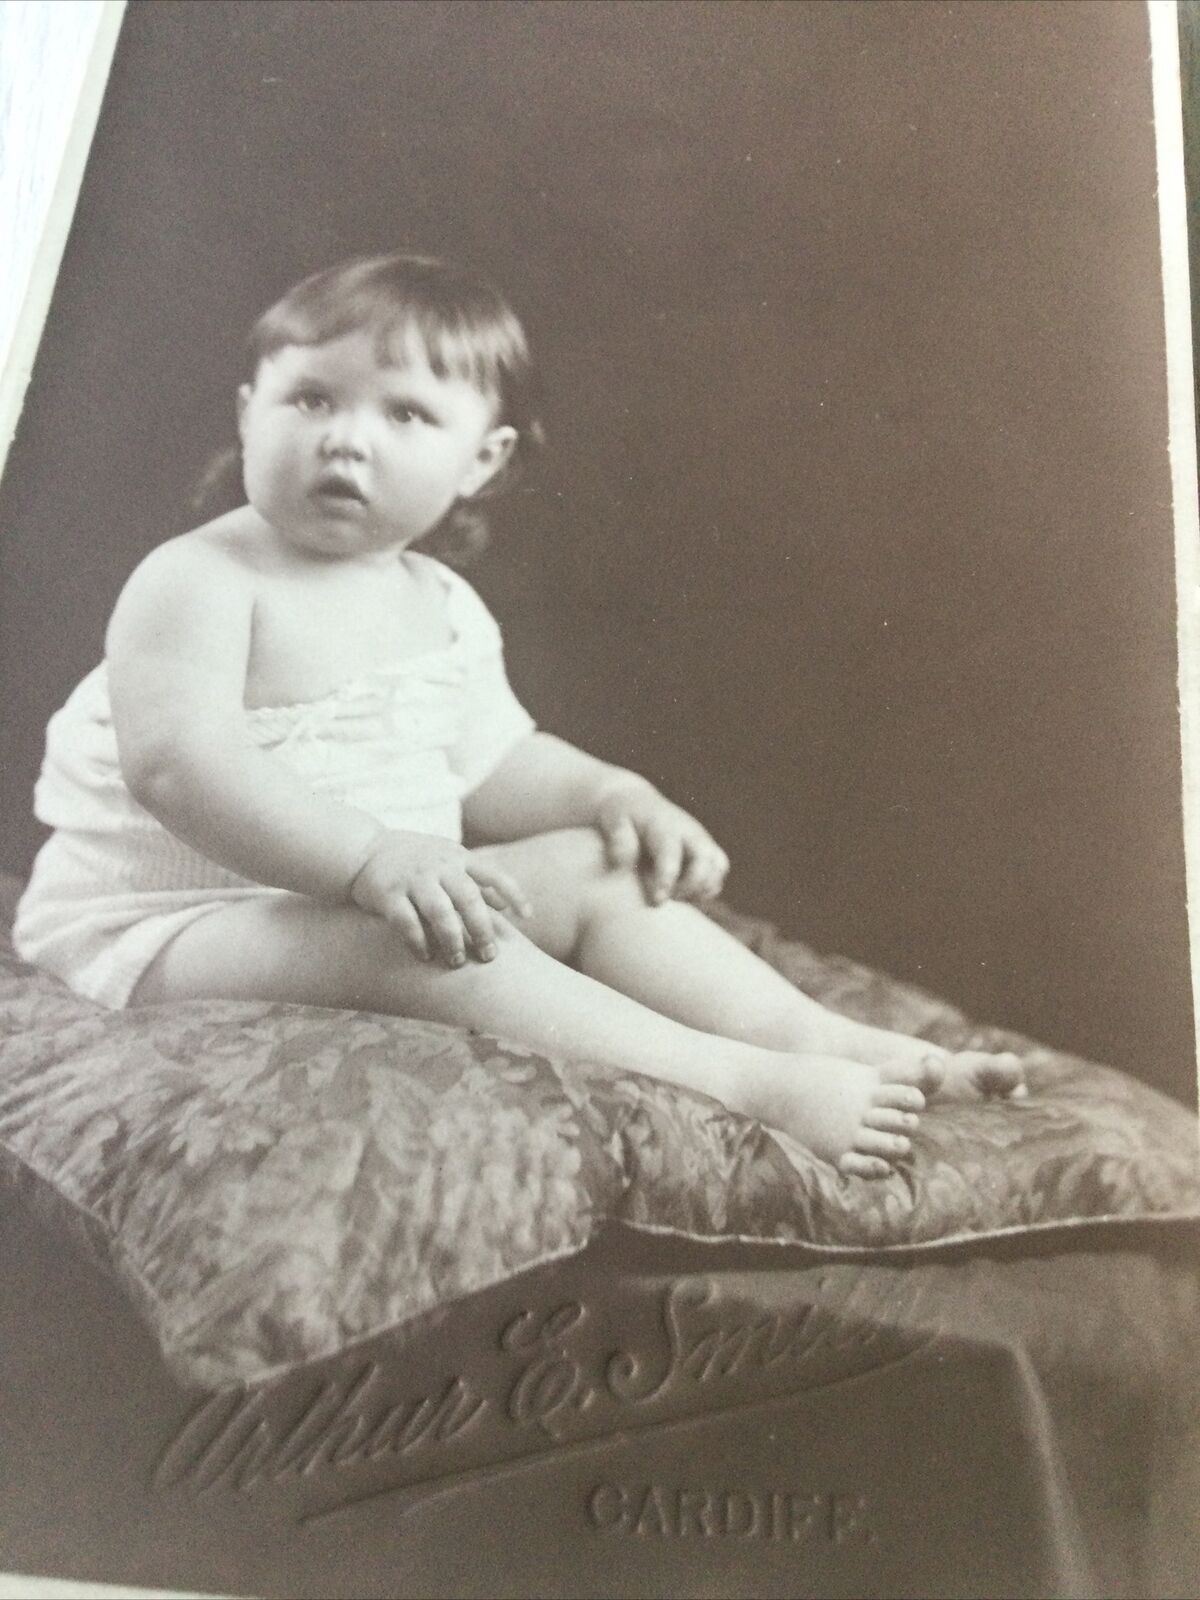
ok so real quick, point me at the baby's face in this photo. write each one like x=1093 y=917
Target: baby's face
x=347 y=457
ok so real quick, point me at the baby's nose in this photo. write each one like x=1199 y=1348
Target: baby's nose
x=344 y=450
x=343 y=441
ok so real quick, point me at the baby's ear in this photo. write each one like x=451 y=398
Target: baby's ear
x=492 y=457
x=243 y=400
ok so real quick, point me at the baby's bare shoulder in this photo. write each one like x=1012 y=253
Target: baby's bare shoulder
x=216 y=555
x=196 y=584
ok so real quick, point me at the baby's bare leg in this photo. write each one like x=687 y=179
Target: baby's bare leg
x=679 y=962
x=293 y=949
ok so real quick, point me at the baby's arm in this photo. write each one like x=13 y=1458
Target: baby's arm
x=545 y=783
x=178 y=647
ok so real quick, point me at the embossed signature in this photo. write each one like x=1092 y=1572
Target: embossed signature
x=562 y=1394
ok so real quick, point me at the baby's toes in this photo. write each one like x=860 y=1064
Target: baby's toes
x=933 y=1073
x=890 y=1120
x=1002 y=1074
x=924 y=1073
x=856 y=1165
x=979 y=1074
x=874 y=1142
x=992 y=1076
x=897 y=1097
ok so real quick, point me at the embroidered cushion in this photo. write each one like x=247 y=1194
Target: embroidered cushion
x=271 y=1183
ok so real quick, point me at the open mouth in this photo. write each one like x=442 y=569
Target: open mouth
x=334 y=486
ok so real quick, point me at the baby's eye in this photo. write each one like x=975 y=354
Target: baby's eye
x=310 y=400
x=402 y=412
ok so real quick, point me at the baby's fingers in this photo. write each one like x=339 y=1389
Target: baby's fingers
x=500 y=889
x=476 y=918
x=443 y=924
x=666 y=860
x=402 y=915
x=704 y=872
x=621 y=842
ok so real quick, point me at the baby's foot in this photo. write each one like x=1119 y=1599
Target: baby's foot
x=940 y=1074
x=857 y=1117
x=973 y=1075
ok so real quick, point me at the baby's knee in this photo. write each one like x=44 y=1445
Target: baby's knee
x=578 y=855
x=581 y=863
x=558 y=866
x=569 y=879
x=604 y=889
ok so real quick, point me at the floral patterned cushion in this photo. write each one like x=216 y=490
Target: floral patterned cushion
x=271 y=1183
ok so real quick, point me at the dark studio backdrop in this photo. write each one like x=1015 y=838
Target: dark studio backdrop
x=855 y=529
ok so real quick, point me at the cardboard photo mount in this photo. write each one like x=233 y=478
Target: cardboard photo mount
x=634 y=1528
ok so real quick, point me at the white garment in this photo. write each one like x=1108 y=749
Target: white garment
x=404 y=743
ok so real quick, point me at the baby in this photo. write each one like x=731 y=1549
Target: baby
x=263 y=790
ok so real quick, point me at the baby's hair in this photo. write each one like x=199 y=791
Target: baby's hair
x=463 y=327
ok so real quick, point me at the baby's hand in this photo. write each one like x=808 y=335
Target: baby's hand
x=678 y=857
x=437 y=894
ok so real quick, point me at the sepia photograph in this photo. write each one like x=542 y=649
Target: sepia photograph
x=599 y=621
